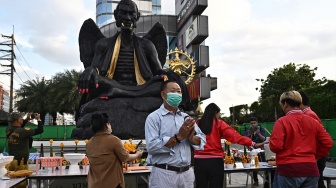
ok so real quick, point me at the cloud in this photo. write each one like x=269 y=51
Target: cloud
x=247 y=39
x=245 y=45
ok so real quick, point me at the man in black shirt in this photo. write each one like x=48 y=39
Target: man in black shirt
x=18 y=136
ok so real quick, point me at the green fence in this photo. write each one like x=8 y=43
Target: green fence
x=329 y=125
x=63 y=132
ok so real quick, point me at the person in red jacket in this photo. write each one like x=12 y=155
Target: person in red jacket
x=298 y=141
x=321 y=163
x=208 y=163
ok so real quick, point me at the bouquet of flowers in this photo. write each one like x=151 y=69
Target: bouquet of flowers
x=228 y=158
x=64 y=162
x=246 y=158
x=129 y=146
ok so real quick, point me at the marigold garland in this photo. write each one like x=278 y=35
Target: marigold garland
x=76 y=149
x=51 y=149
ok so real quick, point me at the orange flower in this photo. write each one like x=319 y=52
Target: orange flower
x=51 y=141
x=229 y=160
x=61 y=144
x=76 y=142
x=246 y=159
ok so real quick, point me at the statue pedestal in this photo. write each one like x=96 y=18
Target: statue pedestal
x=126 y=115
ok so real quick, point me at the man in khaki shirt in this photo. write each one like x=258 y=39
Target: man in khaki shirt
x=106 y=154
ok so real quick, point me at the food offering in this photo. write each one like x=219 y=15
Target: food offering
x=256 y=161
x=15 y=166
x=19 y=173
x=131 y=148
x=246 y=159
x=143 y=162
x=64 y=161
x=85 y=161
x=271 y=161
x=229 y=159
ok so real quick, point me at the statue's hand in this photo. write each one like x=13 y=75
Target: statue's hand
x=84 y=79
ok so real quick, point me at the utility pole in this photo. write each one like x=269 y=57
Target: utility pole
x=12 y=68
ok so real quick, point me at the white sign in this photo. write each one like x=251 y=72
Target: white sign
x=191 y=32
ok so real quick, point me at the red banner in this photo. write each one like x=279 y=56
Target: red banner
x=194 y=89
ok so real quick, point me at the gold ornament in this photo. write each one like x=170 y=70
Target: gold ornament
x=185 y=67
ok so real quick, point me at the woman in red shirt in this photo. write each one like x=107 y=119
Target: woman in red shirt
x=209 y=164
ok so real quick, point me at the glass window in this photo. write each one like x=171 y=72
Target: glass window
x=105 y=7
x=156 y=2
x=104 y=19
x=156 y=10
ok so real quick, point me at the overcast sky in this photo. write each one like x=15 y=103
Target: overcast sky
x=247 y=40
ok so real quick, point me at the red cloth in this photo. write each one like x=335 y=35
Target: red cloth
x=220 y=130
x=294 y=139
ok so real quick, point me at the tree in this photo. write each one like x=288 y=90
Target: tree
x=323 y=99
x=33 y=97
x=50 y=96
x=286 y=78
x=65 y=98
x=289 y=77
x=239 y=114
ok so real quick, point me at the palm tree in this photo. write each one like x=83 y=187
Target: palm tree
x=65 y=98
x=33 y=97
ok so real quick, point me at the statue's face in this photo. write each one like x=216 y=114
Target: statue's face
x=127 y=16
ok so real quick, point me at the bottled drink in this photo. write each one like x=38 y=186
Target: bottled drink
x=256 y=161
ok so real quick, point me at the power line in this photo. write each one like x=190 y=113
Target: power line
x=26 y=61
x=17 y=80
x=19 y=76
x=22 y=68
x=5 y=84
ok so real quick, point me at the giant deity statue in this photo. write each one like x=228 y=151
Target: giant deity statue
x=123 y=73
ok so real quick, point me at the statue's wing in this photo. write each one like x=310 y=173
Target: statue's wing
x=157 y=35
x=89 y=34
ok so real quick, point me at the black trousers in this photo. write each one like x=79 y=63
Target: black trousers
x=321 y=164
x=209 y=173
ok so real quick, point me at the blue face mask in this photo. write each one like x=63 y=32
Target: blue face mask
x=174 y=99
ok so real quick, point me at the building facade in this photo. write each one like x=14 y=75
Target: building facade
x=105 y=8
x=4 y=99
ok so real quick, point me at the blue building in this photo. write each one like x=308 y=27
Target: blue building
x=105 y=8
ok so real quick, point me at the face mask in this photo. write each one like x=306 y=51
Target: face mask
x=174 y=99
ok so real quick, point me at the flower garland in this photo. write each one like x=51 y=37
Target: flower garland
x=76 y=149
x=246 y=158
x=51 y=149
x=228 y=158
x=64 y=162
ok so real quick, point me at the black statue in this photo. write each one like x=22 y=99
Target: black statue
x=123 y=73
